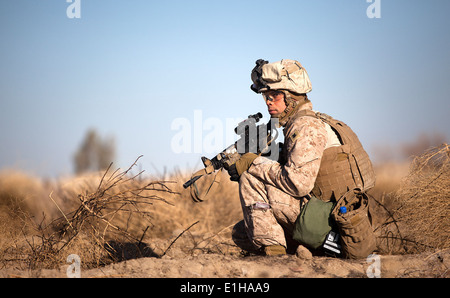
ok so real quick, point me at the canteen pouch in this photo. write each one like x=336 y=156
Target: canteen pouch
x=314 y=223
x=355 y=228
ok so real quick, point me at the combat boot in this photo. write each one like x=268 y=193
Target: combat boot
x=274 y=250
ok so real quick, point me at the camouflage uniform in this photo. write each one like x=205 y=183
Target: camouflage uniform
x=272 y=194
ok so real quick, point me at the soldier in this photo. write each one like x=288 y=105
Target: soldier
x=272 y=193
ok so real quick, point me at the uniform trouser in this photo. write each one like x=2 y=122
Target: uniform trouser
x=269 y=215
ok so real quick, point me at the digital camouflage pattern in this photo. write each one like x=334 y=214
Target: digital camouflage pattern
x=272 y=193
x=286 y=74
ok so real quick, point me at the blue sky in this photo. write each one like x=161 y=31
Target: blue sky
x=130 y=68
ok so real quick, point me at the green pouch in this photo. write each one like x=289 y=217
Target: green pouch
x=314 y=223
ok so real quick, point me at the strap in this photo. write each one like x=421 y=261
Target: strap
x=355 y=171
x=288 y=69
x=195 y=194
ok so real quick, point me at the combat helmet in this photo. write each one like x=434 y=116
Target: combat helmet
x=288 y=76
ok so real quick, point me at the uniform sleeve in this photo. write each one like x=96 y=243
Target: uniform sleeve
x=305 y=140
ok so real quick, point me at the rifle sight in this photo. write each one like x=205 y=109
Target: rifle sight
x=252 y=119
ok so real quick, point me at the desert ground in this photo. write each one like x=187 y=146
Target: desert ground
x=219 y=265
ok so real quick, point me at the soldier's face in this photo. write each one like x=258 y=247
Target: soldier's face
x=275 y=103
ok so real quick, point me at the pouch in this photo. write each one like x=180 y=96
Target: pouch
x=314 y=223
x=355 y=228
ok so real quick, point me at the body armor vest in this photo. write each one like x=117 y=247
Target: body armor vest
x=344 y=167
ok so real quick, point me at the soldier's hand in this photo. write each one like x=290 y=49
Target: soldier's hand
x=234 y=176
x=241 y=166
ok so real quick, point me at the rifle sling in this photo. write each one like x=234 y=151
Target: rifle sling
x=195 y=194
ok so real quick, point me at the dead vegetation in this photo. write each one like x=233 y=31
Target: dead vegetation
x=117 y=196
x=101 y=225
x=414 y=216
x=424 y=201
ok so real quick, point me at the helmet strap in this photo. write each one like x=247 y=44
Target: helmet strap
x=293 y=104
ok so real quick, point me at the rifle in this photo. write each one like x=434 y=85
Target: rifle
x=254 y=138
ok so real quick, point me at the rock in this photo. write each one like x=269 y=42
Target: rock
x=303 y=253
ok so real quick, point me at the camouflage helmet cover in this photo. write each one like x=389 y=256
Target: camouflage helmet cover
x=286 y=75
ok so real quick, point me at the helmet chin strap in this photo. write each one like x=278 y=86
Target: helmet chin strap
x=292 y=106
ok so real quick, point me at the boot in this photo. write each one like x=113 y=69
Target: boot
x=274 y=250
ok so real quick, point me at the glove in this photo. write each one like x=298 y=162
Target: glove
x=234 y=176
x=235 y=171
